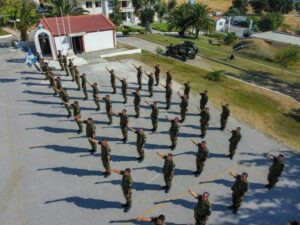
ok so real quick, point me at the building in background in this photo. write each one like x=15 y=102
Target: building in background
x=220 y=23
x=85 y=33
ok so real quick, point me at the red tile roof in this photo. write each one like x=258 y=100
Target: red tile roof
x=75 y=24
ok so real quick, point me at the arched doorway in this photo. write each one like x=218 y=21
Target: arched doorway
x=45 y=45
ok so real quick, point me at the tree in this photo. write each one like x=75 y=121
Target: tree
x=178 y=18
x=283 y=6
x=200 y=20
x=259 y=5
x=161 y=8
x=10 y=9
x=233 y=12
x=288 y=56
x=145 y=10
x=241 y=5
x=171 y=5
x=116 y=16
x=64 y=7
x=230 y=38
x=271 y=21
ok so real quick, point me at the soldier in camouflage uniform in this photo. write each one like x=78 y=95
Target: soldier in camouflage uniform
x=169 y=78
x=124 y=120
x=139 y=75
x=233 y=141
x=150 y=83
x=169 y=92
x=91 y=133
x=183 y=106
x=123 y=88
x=95 y=94
x=44 y=67
x=168 y=170
x=154 y=115
x=65 y=100
x=204 y=121
x=60 y=60
x=174 y=131
x=76 y=114
x=77 y=77
x=224 y=116
x=187 y=89
x=52 y=81
x=137 y=101
x=65 y=62
x=201 y=157
x=203 y=100
x=275 y=170
x=71 y=69
x=83 y=85
x=108 y=107
x=156 y=74
x=126 y=185
x=160 y=220
x=112 y=80
x=239 y=189
x=140 y=143
x=58 y=83
x=203 y=209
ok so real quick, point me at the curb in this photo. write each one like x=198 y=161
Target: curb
x=6 y=36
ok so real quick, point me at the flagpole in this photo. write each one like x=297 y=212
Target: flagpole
x=63 y=22
x=58 y=31
x=70 y=31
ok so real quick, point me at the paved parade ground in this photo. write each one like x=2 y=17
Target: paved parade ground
x=48 y=176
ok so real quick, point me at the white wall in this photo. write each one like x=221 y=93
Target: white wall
x=220 y=25
x=98 y=40
x=62 y=44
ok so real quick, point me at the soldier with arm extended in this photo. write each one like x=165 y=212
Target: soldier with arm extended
x=157 y=74
x=239 y=190
x=233 y=141
x=275 y=170
x=76 y=113
x=204 y=121
x=65 y=100
x=95 y=94
x=83 y=85
x=91 y=134
x=139 y=75
x=183 y=106
x=202 y=211
x=154 y=115
x=137 y=101
x=112 y=79
x=140 y=142
x=124 y=86
x=124 y=120
x=52 y=80
x=150 y=83
x=108 y=107
x=224 y=116
x=201 y=156
x=159 y=220
x=168 y=170
x=174 y=131
x=126 y=185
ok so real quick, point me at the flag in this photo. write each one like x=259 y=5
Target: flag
x=30 y=59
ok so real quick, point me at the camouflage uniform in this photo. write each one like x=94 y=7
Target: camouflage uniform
x=52 y=81
x=154 y=117
x=96 y=97
x=91 y=133
x=139 y=77
x=187 y=89
x=65 y=62
x=77 y=116
x=113 y=81
x=202 y=211
x=60 y=60
x=84 y=88
x=105 y=156
x=77 y=78
x=127 y=188
x=71 y=69
x=137 y=101
x=203 y=101
x=150 y=85
x=108 y=107
x=183 y=107
x=140 y=144
x=233 y=142
x=169 y=92
x=275 y=171
x=124 y=90
x=65 y=98
x=124 y=126
x=173 y=131
x=168 y=171
x=201 y=157
x=156 y=73
x=224 y=116
x=169 y=78
x=239 y=190
x=205 y=117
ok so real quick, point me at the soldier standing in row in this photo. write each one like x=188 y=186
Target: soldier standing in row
x=239 y=189
x=169 y=92
x=60 y=60
x=52 y=78
x=160 y=220
x=105 y=156
x=108 y=107
x=71 y=69
x=203 y=100
x=233 y=141
x=139 y=75
x=123 y=88
x=154 y=115
x=58 y=83
x=203 y=209
x=224 y=116
x=187 y=89
x=150 y=83
x=124 y=120
x=140 y=143
x=65 y=100
x=126 y=185
x=204 y=121
x=169 y=78
x=183 y=106
x=157 y=73
x=168 y=170
x=83 y=85
x=91 y=133
x=95 y=95
x=44 y=67
x=275 y=170
x=201 y=156
x=112 y=80
x=77 y=77
x=137 y=101
x=76 y=114
x=174 y=131
x=65 y=62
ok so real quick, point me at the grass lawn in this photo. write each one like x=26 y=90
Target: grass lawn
x=271 y=113
x=222 y=52
x=2 y=32
x=160 y=26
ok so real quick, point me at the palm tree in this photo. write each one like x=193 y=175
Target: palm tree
x=200 y=20
x=178 y=19
x=65 y=7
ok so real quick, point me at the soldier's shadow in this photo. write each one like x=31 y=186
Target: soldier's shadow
x=62 y=148
x=158 y=169
x=47 y=115
x=134 y=221
x=138 y=186
x=53 y=129
x=73 y=171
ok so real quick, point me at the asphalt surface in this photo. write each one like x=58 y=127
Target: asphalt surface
x=48 y=176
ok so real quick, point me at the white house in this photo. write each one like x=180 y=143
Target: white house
x=220 y=23
x=85 y=33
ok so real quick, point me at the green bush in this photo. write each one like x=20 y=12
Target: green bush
x=230 y=38
x=217 y=35
x=271 y=21
x=215 y=75
x=125 y=31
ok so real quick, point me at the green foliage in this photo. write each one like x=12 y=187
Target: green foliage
x=233 y=12
x=271 y=21
x=288 y=56
x=215 y=75
x=297 y=7
x=2 y=32
x=116 y=15
x=161 y=8
x=64 y=7
x=160 y=26
x=127 y=29
x=159 y=50
x=283 y=6
x=259 y=5
x=10 y=9
x=241 y=5
x=178 y=18
x=230 y=38
x=217 y=35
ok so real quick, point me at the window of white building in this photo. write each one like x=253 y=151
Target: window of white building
x=98 y=4
x=89 y=4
